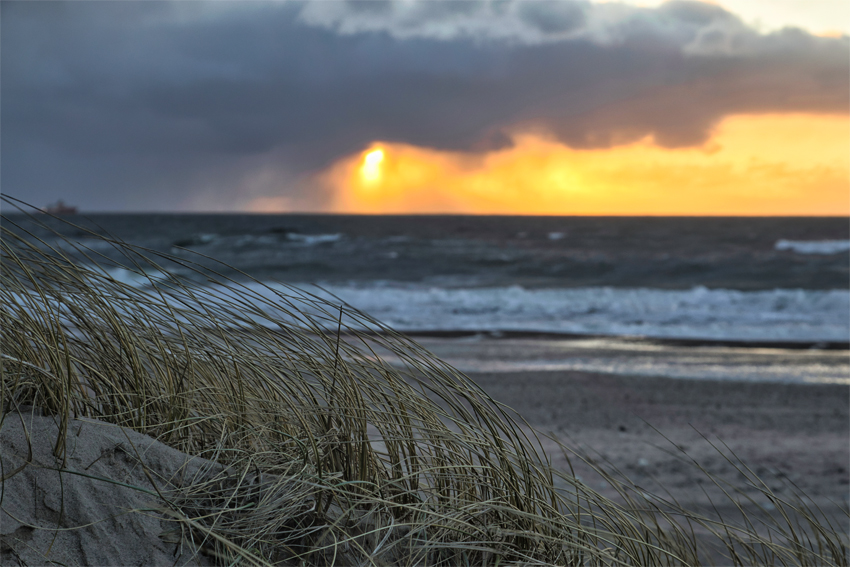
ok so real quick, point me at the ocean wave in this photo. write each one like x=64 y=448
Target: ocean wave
x=136 y=279
x=698 y=313
x=249 y=241
x=194 y=240
x=313 y=239
x=779 y=315
x=814 y=246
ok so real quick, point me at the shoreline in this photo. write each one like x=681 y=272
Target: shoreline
x=644 y=358
x=502 y=334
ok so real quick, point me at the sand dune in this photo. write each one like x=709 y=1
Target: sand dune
x=97 y=509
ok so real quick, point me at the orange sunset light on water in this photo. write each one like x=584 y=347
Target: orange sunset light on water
x=794 y=164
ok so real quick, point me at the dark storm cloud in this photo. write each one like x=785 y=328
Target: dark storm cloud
x=154 y=106
x=553 y=17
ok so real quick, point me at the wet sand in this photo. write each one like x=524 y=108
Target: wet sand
x=644 y=357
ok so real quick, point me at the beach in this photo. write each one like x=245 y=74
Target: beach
x=643 y=426
x=795 y=437
x=648 y=409
x=675 y=418
x=689 y=441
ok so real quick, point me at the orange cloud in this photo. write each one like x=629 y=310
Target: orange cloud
x=790 y=164
x=831 y=33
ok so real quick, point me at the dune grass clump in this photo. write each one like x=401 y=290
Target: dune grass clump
x=317 y=451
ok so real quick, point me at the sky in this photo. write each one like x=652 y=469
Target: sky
x=736 y=107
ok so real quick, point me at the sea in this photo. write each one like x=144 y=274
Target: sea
x=764 y=299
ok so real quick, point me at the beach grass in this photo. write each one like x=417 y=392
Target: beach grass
x=319 y=452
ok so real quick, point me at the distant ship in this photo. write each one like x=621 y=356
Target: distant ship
x=60 y=208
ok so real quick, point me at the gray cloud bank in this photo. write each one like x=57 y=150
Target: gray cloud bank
x=185 y=105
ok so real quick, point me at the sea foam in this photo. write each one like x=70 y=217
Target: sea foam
x=700 y=313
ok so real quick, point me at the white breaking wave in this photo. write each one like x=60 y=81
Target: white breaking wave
x=311 y=239
x=700 y=313
x=814 y=246
x=135 y=278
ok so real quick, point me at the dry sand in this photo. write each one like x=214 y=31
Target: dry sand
x=48 y=517
x=787 y=433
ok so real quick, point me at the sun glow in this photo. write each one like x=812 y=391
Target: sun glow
x=752 y=165
x=370 y=171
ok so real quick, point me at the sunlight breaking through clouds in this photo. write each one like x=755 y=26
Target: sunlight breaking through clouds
x=753 y=165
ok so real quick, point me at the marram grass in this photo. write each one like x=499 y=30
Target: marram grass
x=318 y=451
